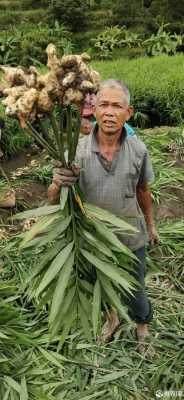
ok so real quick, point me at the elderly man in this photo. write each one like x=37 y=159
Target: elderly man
x=115 y=173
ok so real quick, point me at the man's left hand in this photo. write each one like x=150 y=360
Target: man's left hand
x=153 y=235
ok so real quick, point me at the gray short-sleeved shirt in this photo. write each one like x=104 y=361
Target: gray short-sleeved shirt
x=114 y=188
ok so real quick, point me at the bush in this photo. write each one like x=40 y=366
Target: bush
x=13 y=138
x=113 y=38
x=70 y=12
x=156 y=85
x=27 y=44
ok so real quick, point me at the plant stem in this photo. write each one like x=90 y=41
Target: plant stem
x=59 y=142
x=69 y=131
x=4 y=175
x=75 y=137
x=41 y=141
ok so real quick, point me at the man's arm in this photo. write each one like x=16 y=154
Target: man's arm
x=145 y=202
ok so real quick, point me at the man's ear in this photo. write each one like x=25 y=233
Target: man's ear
x=130 y=112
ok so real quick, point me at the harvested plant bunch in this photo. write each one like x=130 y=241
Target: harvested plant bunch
x=82 y=268
x=30 y=94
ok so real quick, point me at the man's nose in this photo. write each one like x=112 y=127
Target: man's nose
x=109 y=110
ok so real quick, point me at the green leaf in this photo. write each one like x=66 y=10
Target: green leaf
x=104 y=215
x=2 y=336
x=50 y=357
x=63 y=197
x=108 y=269
x=61 y=287
x=48 y=256
x=64 y=313
x=37 y=212
x=97 y=244
x=12 y=383
x=55 y=267
x=96 y=309
x=85 y=304
x=110 y=377
x=90 y=396
x=84 y=322
x=72 y=315
x=107 y=234
x=6 y=395
x=113 y=297
x=23 y=390
x=57 y=229
x=38 y=228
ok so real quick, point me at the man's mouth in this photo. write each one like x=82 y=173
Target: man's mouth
x=109 y=123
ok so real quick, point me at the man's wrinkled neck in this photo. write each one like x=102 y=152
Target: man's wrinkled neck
x=108 y=140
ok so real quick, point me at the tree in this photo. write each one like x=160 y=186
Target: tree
x=70 y=12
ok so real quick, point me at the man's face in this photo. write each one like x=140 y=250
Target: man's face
x=112 y=110
x=86 y=126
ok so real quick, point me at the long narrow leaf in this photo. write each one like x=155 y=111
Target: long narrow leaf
x=63 y=197
x=61 y=287
x=96 y=306
x=84 y=322
x=113 y=297
x=47 y=257
x=104 y=215
x=57 y=229
x=38 y=228
x=108 y=269
x=23 y=390
x=37 y=212
x=112 y=239
x=55 y=267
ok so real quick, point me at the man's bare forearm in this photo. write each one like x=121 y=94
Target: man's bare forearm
x=145 y=202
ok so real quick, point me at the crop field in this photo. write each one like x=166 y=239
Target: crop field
x=37 y=366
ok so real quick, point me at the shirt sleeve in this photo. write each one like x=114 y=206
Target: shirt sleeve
x=146 y=173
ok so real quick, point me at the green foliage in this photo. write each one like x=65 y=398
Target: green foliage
x=27 y=44
x=162 y=42
x=8 y=48
x=113 y=38
x=107 y=41
x=156 y=85
x=13 y=139
x=70 y=12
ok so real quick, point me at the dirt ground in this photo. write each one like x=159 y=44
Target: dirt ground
x=171 y=207
x=29 y=193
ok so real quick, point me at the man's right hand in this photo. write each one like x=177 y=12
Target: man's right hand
x=63 y=177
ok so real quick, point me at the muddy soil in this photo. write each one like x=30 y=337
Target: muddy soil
x=29 y=193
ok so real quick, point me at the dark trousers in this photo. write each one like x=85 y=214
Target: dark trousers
x=139 y=306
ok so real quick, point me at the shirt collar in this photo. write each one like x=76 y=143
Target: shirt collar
x=94 y=143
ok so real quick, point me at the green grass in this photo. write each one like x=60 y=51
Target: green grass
x=156 y=85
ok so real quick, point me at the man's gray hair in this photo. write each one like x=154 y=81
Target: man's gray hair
x=117 y=84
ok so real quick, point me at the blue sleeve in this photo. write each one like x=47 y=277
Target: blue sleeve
x=129 y=129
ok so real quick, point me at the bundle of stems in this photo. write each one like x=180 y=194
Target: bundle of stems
x=83 y=266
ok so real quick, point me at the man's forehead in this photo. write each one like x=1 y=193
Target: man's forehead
x=112 y=95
